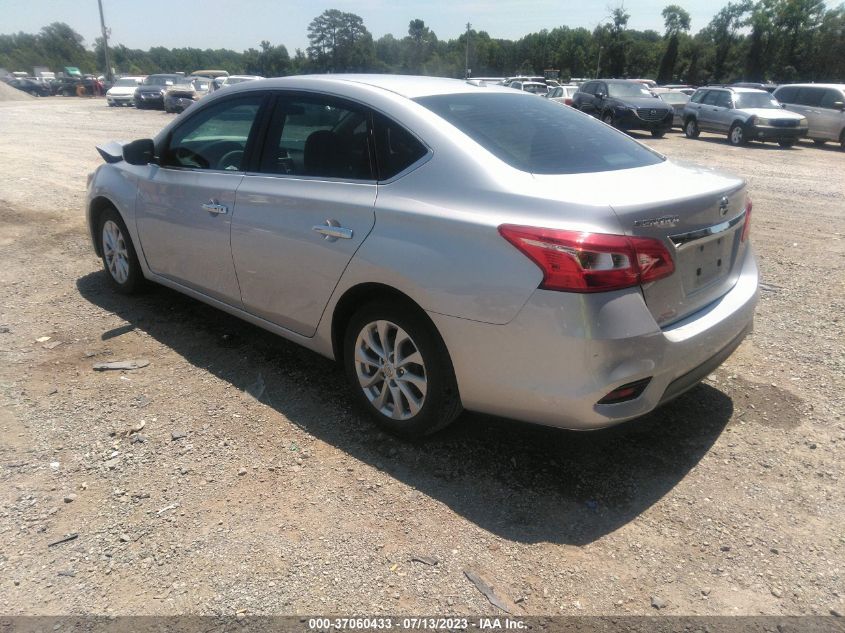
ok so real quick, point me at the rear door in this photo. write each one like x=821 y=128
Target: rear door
x=808 y=100
x=304 y=208
x=184 y=205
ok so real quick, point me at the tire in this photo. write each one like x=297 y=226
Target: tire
x=658 y=133
x=427 y=402
x=736 y=135
x=118 y=253
x=691 y=128
x=842 y=140
x=786 y=143
x=607 y=117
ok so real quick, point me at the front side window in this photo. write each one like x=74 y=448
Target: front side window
x=723 y=100
x=215 y=137
x=786 y=94
x=319 y=137
x=698 y=96
x=537 y=135
x=810 y=96
x=830 y=97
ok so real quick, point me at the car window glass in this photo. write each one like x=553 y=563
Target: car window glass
x=319 y=137
x=710 y=98
x=830 y=97
x=723 y=100
x=587 y=88
x=396 y=148
x=537 y=135
x=810 y=96
x=215 y=137
x=698 y=95
x=786 y=94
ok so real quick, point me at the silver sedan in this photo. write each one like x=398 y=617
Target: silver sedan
x=452 y=245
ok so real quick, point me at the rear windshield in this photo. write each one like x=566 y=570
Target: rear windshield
x=161 y=80
x=124 y=83
x=537 y=135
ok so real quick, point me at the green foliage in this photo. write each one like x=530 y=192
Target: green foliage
x=752 y=40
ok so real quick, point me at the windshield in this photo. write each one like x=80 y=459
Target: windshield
x=124 y=83
x=627 y=90
x=674 y=97
x=159 y=80
x=756 y=100
x=535 y=88
x=537 y=135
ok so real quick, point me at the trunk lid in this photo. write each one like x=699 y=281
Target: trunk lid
x=696 y=212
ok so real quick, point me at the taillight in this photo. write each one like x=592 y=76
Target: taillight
x=576 y=261
x=567 y=101
x=746 y=226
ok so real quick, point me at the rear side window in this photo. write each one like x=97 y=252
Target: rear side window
x=318 y=136
x=396 y=148
x=810 y=96
x=537 y=135
x=588 y=87
x=830 y=97
x=786 y=94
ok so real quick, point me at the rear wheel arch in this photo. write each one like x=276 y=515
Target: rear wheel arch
x=360 y=295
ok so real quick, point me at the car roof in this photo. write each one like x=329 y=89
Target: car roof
x=410 y=86
x=836 y=86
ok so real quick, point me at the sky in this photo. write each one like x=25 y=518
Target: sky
x=241 y=24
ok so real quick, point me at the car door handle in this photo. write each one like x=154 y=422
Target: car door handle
x=332 y=231
x=215 y=208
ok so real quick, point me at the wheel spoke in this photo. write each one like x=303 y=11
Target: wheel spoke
x=414 y=402
x=383 y=335
x=368 y=381
x=415 y=358
x=362 y=356
x=398 y=410
x=371 y=343
x=379 y=402
x=418 y=381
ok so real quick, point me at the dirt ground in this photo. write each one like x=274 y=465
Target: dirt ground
x=256 y=487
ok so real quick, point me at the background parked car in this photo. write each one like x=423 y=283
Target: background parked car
x=150 y=94
x=627 y=105
x=183 y=94
x=758 y=86
x=534 y=87
x=676 y=99
x=231 y=80
x=123 y=91
x=35 y=88
x=70 y=86
x=562 y=94
x=744 y=114
x=823 y=106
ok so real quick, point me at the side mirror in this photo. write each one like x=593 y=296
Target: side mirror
x=600 y=95
x=140 y=152
x=839 y=105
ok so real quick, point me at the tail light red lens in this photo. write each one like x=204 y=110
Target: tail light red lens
x=746 y=227
x=576 y=261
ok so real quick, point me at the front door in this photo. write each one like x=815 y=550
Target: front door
x=185 y=205
x=299 y=221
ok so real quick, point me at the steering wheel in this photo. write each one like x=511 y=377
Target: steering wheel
x=187 y=158
x=231 y=161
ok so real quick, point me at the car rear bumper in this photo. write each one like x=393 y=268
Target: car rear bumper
x=149 y=101
x=566 y=351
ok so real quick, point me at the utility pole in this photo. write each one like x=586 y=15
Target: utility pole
x=598 y=62
x=466 y=57
x=105 y=41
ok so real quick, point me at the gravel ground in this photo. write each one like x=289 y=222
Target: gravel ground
x=234 y=475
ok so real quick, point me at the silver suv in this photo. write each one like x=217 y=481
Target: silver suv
x=744 y=114
x=822 y=104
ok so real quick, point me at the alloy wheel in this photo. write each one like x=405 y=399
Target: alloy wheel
x=390 y=370
x=115 y=252
x=736 y=135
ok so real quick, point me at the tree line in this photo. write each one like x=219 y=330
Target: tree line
x=767 y=40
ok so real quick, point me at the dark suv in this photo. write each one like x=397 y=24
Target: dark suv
x=627 y=105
